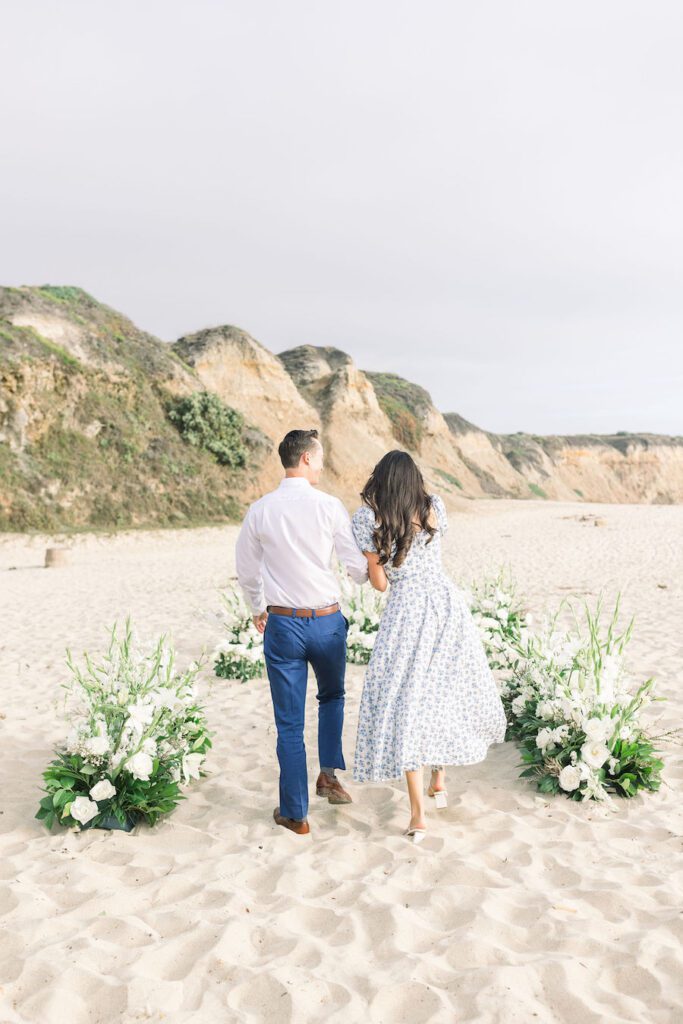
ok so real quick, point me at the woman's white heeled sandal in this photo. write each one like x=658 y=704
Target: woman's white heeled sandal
x=416 y=834
x=440 y=797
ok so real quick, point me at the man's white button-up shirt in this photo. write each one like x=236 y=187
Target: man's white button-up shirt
x=284 y=549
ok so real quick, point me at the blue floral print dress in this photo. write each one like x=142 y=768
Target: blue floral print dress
x=429 y=697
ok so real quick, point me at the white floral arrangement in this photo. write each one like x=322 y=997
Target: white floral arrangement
x=569 y=700
x=363 y=607
x=138 y=735
x=239 y=654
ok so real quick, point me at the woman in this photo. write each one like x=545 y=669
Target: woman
x=429 y=696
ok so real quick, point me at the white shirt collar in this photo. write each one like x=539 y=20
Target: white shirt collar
x=297 y=480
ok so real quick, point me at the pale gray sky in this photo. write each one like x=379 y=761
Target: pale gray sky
x=484 y=197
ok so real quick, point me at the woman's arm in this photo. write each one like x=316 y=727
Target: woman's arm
x=376 y=573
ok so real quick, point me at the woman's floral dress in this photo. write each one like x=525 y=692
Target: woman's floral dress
x=429 y=697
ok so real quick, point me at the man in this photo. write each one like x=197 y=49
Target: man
x=283 y=560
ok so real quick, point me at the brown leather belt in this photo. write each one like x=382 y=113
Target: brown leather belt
x=305 y=612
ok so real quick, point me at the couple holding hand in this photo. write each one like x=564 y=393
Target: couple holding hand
x=429 y=697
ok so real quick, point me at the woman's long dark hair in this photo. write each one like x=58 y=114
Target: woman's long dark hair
x=395 y=491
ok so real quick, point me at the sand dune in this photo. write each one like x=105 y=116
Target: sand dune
x=516 y=908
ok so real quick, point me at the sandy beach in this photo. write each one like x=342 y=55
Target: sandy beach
x=516 y=908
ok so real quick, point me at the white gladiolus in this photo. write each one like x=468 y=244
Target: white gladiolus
x=83 y=809
x=191 y=765
x=141 y=713
x=140 y=766
x=103 y=790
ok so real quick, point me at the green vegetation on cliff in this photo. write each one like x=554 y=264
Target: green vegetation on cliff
x=86 y=435
x=405 y=405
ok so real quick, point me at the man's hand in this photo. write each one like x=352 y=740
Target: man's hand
x=260 y=621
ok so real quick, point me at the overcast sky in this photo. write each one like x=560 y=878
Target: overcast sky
x=484 y=197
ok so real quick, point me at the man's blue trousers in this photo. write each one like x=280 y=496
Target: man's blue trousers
x=290 y=643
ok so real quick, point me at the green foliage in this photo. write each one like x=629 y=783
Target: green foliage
x=64 y=293
x=537 y=490
x=448 y=477
x=405 y=405
x=208 y=423
x=230 y=666
x=406 y=428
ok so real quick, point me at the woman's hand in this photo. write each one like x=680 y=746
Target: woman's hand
x=376 y=573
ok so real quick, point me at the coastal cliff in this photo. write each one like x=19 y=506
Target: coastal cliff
x=89 y=437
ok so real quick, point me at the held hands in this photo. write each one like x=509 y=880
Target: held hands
x=260 y=621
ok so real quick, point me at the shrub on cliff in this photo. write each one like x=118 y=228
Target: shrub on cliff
x=206 y=422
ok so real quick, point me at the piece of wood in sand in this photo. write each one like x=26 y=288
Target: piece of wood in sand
x=56 y=556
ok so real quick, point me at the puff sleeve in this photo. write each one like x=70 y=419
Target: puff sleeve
x=440 y=509
x=362 y=525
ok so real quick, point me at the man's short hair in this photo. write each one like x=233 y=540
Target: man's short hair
x=294 y=444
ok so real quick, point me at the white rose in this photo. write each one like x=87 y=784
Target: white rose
x=594 y=753
x=598 y=729
x=83 y=809
x=570 y=777
x=149 y=747
x=140 y=766
x=543 y=738
x=518 y=704
x=103 y=790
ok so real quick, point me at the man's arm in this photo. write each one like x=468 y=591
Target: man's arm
x=248 y=557
x=348 y=552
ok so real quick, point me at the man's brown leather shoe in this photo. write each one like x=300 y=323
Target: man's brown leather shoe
x=332 y=789
x=302 y=828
